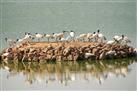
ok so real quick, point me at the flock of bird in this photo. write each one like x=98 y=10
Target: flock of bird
x=70 y=36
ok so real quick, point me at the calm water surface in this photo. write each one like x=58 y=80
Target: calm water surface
x=112 y=18
x=106 y=74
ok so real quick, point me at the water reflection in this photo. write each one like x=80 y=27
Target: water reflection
x=66 y=72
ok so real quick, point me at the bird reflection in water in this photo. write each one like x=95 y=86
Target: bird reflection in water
x=67 y=72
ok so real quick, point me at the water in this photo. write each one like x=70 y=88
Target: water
x=43 y=16
x=106 y=74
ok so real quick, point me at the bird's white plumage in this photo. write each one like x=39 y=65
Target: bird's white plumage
x=72 y=34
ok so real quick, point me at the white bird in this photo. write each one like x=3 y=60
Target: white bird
x=72 y=34
x=125 y=40
x=55 y=36
x=49 y=36
x=20 y=42
x=39 y=36
x=28 y=37
x=118 y=38
x=62 y=39
x=82 y=36
x=89 y=36
x=122 y=39
x=10 y=42
x=94 y=36
x=58 y=36
x=77 y=38
x=23 y=40
x=101 y=37
x=65 y=39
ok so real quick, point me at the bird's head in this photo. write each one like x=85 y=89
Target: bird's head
x=94 y=32
x=71 y=31
x=17 y=40
x=122 y=36
x=6 y=39
x=26 y=33
x=36 y=33
x=29 y=33
x=32 y=38
x=64 y=31
x=98 y=31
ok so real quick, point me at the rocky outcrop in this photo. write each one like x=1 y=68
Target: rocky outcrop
x=65 y=53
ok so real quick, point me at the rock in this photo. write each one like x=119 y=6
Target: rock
x=58 y=58
x=102 y=56
x=111 y=54
x=123 y=54
x=89 y=56
x=62 y=52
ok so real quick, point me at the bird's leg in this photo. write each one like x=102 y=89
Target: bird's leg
x=38 y=39
x=91 y=40
x=73 y=39
x=56 y=40
x=88 y=39
x=9 y=44
x=83 y=39
x=48 y=39
x=95 y=39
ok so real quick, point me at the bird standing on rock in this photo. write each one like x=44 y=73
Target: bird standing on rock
x=49 y=36
x=59 y=36
x=72 y=34
x=94 y=36
x=118 y=38
x=10 y=42
x=100 y=37
x=82 y=36
x=39 y=36
x=89 y=36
